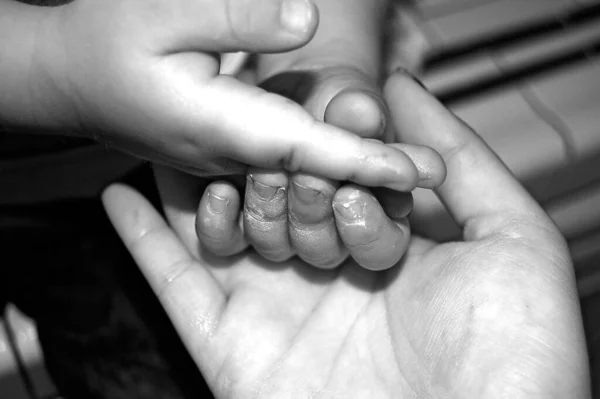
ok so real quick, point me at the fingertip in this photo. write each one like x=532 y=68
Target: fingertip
x=299 y=17
x=312 y=229
x=374 y=241
x=217 y=225
x=359 y=112
x=429 y=164
x=117 y=197
x=433 y=175
x=109 y=192
x=219 y=204
x=350 y=203
x=309 y=198
x=222 y=198
x=407 y=180
x=109 y=197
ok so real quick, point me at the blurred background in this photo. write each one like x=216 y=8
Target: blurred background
x=526 y=75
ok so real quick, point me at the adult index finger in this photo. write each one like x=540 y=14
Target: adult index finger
x=479 y=191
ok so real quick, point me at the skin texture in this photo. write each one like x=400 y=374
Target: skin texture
x=494 y=315
x=336 y=77
x=142 y=77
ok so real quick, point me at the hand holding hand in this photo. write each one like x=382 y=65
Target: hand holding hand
x=494 y=315
x=336 y=77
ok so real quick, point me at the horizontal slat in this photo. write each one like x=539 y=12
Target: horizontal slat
x=493 y=18
x=573 y=96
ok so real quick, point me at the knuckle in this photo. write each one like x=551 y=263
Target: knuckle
x=258 y=213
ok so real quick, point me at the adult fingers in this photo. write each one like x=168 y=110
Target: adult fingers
x=186 y=289
x=479 y=191
x=180 y=194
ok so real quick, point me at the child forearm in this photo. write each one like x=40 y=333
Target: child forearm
x=29 y=93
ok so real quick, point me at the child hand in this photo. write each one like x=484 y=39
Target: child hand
x=143 y=77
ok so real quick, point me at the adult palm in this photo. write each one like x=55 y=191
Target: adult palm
x=495 y=315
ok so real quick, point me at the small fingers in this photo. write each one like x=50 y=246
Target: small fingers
x=312 y=228
x=265 y=213
x=313 y=232
x=218 y=224
x=375 y=241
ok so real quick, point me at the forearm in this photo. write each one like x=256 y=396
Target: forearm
x=30 y=95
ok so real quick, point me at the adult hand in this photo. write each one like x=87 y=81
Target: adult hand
x=495 y=315
x=143 y=76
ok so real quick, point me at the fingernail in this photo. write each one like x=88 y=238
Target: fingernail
x=217 y=204
x=305 y=194
x=351 y=211
x=410 y=74
x=264 y=191
x=296 y=15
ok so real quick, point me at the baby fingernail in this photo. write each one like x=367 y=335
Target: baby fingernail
x=351 y=211
x=217 y=204
x=264 y=191
x=305 y=194
x=296 y=15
